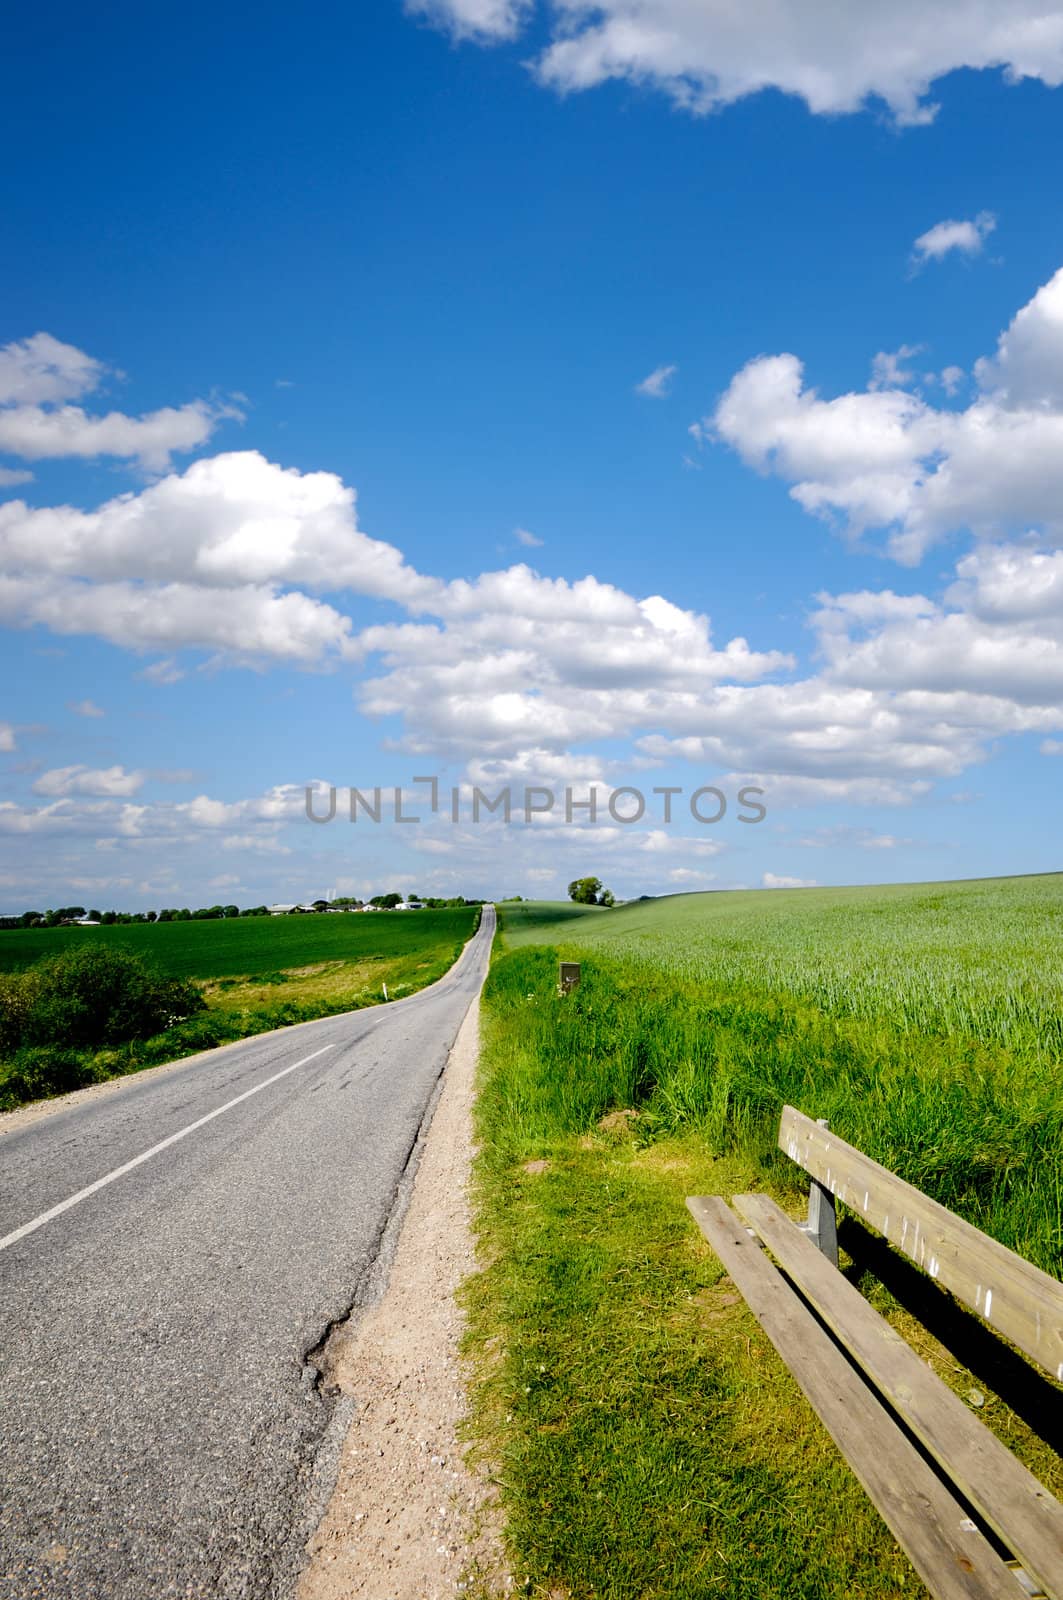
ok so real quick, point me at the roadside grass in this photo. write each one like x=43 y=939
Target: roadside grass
x=245 y=990
x=648 y=1440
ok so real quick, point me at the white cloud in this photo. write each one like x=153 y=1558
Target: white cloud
x=164 y=671
x=521 y=677
x=1052 y=747
x=224 y=880
x=844 y=836
x=885 y=459
x=888 y=370
x=199 y=559
x=227 y=520
x=40 y=376
x=488 y=21
x=526 y=537
x=44 y=371
x=11 y=477
x=7 y=736
x=113 y=781
x=34 y=432
x=85 y=708
x=773 y=880
x=1027 y=370
x=707 y=53
x=967 y=238
x=259 y=844
x=656 y=385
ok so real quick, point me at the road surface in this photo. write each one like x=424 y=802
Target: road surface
x=172 y=1253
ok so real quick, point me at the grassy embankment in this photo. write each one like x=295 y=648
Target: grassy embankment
x=255 y=973
x=648 y=1439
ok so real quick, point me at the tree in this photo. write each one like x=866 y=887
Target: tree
x=607 y=898
x=585 y=891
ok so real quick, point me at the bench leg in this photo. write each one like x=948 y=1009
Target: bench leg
x=822 y=1224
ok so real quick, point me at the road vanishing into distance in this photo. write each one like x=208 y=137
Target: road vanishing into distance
x=172 y=1252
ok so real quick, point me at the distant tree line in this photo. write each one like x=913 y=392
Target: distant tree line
x=66 y=916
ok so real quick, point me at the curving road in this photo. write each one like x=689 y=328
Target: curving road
x=172 y=1253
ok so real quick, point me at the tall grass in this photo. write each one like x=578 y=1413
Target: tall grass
x=982 y=958
x=966 y=1122
x=648 y=1440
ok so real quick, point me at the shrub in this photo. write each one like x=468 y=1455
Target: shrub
x=90 y=996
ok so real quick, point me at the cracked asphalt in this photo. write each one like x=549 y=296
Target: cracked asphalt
x=162 y=1429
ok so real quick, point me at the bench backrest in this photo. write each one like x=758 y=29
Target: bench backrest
x=1013 y=1296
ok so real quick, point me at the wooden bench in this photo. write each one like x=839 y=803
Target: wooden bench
x=975 y=1524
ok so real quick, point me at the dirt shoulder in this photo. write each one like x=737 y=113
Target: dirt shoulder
x=408 y=1520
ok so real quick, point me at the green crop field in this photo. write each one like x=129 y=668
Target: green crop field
x=648 y=1439
x=246 y=946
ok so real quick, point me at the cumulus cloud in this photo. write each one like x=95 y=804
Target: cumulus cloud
x=202 y=558
x=88 y=780
x=523 y=677
x=527 y=538
x=11 y=477
x=843 y=835
x=886 y=459
x=519 y=662
x=888 y=370
x=85 y=708
x=657 y=384
x=487 y=21
x=965 y=238
x=7 y=736
x=44 y=371
x=164 y=671
x=41 y=376
x=705 y=54
x=773 y=880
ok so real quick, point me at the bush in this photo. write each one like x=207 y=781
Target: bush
x=88 y=997
x=35 y=1072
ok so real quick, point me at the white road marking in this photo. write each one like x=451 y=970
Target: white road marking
x=120 y=1172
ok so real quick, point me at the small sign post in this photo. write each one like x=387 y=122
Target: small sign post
x=568 y=977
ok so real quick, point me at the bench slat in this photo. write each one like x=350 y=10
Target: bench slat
x=952 y=1557
x=1020 y=1509
x=1013 y=1296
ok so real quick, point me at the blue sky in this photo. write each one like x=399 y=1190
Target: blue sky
x=324 y=456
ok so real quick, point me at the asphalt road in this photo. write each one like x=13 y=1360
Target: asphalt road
x=163 y=1429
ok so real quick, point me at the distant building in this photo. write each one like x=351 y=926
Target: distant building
x=282 y=911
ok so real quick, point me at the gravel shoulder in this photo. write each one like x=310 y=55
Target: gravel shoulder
x=408 y=1519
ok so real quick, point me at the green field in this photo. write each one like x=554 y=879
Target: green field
x=255 y=973
x=649 y=1441
x=984 y=957
x=244 y=946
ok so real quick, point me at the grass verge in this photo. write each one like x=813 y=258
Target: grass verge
x=648 y=1440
